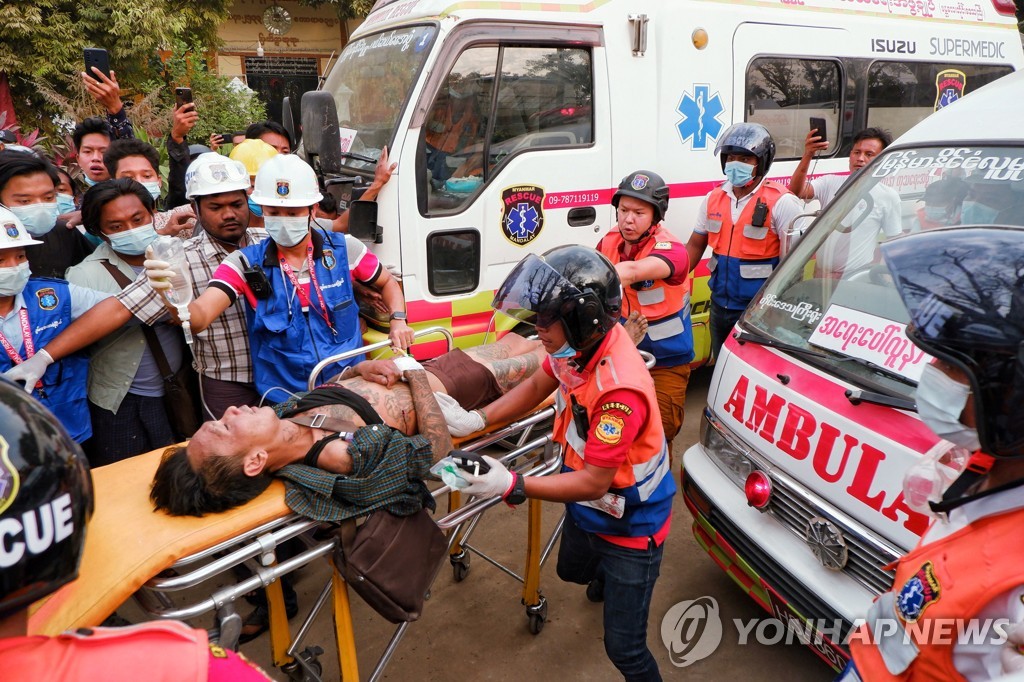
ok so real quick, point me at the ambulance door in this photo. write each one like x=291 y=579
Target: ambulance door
x=512 y=157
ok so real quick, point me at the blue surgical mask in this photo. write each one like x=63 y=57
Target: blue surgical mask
x=133 y=242
x=936 y=214
x=65 y=203
x=287 y=231
x=14 y=279
x=92 y=239
x=973 y=213
x=153 y=188
x=255 y=208
x=89 y=182
x=565 y=351
x=38 y=219
x=738 y=173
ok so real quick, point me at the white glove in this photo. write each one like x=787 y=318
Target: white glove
x=404 y=363
x=495 y=483
x=1012 y=655
x=30 y=371
x=460 y=422
x=158 y=273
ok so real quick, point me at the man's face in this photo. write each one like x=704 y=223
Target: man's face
x=286 y=211
x=635 y=217
x=240 y=431
x=10 y=258
x=33 y=188
x=748 y=159
x=225 y=216
x=137 y=168
x=122 y=214
x=64 y=185
x=278 y=142
x=552 y=338
x=863 y=152
x=90 y=156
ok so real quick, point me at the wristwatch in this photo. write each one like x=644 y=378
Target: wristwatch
x=518 y=493
x=399 y=315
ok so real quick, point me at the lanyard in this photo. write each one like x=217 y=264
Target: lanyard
x=303 y=297
x=26 y=337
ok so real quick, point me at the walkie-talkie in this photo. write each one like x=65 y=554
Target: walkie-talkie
x=580 y=418
x=257 y=281
x=760 y=213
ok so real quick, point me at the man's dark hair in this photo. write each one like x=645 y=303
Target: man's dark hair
x=89 y=126
x=14 y=163
x=71 y=180
x=328 y=205
x=120 y=149
x=220 y=484
x=880 y=134
x=102 y=193
x=254 y=130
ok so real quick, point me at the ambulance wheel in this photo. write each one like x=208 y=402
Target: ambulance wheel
x=460 y=566
x=537 y=615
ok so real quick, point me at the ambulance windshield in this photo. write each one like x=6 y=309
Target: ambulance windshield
x=833 y=294
x=371 y=84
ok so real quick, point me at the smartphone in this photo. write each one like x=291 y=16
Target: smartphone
x=182 y=96
x=98 y=57
x=227 y=138
x=819 y=125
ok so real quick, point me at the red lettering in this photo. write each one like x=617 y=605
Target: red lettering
x=797 y=430
x=764 y=413
x=916 y=522
x=736 y=404
x=823 y=453
x=867 y=467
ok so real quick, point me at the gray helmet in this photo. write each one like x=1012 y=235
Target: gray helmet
x=646 y=186
x=748 y=138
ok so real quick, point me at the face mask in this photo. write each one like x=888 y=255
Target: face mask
x=325 y=223
x=928 y=478
x=565 y=351
x=65 y=203
x=13 y=280
x=89 y=182
x=940 y=400
x=287 y=231
x=936 y=214
x=566 y=373
x=255 y=208
x=975 y=213
x=133 y=242
x=37 y=218
x=153 y=188
x=738 y=173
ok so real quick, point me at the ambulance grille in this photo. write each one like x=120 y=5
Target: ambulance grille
x=866 y=561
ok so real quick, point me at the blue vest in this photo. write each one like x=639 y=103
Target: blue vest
x=285 y=343
x=64 y=391
x=674 y=346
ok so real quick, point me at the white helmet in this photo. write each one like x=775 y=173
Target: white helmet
x=286 y=180
x=13 y=234
x=212 y=173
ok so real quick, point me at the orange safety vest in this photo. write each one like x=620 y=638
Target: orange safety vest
x=752 y=243
x=160 y=651
x=659 y=299
x=640 y=498
x=946 y=581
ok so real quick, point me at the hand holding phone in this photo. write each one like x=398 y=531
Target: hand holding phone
x=182 y=96
x=818 y=125
x=98 y=58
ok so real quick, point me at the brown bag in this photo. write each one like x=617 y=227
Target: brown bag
x=181 y=388
x=391 y=560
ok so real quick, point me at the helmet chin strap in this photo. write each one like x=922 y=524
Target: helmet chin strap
x=643 y=237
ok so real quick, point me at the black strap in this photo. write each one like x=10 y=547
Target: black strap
x=332 y=394
x=343 y=429
x=151 y=339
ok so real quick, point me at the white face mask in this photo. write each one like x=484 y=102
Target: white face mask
x=286 y=231
x=940 y=401
x=927 y=479
x=14 y=279
x=133 y=242
x=38 y=219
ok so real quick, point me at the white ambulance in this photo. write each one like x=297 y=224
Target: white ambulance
x=797 y=485
x=513 y=122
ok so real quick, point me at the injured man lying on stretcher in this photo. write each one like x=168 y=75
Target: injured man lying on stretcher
x=232 y=460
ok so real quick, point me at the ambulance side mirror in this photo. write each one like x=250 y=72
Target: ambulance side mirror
x=362 y=222
x=321 y=137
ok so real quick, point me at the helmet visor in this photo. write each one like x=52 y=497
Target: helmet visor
x=534 y=293
x=750 y=138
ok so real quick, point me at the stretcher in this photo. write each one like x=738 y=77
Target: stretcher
x=132 y=550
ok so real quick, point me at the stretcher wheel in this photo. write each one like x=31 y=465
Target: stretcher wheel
x=460 y=566
x=537 y=615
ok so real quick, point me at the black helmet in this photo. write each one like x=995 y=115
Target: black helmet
x=964 y=288
x=646 y=186
x=575 y=285
x=748 y=138
x=45 y=501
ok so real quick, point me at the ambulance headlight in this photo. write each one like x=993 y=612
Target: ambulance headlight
x=726 y=451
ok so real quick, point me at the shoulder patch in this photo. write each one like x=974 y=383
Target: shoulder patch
x=329 y=260
x=47 y=298
x=918 y=593
x=663 y=246
x=609 y=429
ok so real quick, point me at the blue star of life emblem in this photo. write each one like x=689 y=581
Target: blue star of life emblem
x=700 y=113
x=523 y=220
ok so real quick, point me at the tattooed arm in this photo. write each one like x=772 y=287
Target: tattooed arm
x=429 y=419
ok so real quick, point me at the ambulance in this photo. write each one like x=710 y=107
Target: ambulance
x=513 y=122
x=813 y=471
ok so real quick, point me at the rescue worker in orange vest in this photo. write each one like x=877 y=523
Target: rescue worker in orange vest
x=941 y=620
x=616 y=480
x=655 y=273
x=741 y=222
x=45 y=503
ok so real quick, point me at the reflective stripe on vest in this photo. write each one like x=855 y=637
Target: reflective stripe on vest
x=753 y=243
x=896 y=646
x=659 y=300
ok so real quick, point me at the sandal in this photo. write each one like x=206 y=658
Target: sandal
x=258 y=622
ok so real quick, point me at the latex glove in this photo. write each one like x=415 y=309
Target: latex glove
x=1012 y=655
x=460 y=422
x=495 y=483
x=158 y=272
x=30 y=371
x=404 y=363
